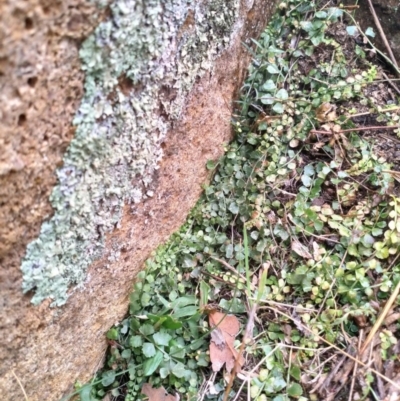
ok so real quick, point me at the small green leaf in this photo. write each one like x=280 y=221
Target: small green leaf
x=370 y=32
x=179 y=370
x=146 y=329
x=152 y=364
x=309 y=170
x=126 y=353
x=183 y=301
x=108 y=378
x=211 y=164
x=161 y=338
x=135 y=341
x=273 y=69
x=112 y=334
x=205 y=291
x=278 y=108
x=145 y=299
x=269 y=85
x=233 y=208
x=306 y=180
x=295 y=372
x=282 y=94
x=321 y=14
x=86 y=393
x=352 y=30
x=306 y=25
x=376 y=232
x=171 y=323
x=148 y=350
x=295 y=390
x=164 y=372
x=186 y=311
x=177 y=352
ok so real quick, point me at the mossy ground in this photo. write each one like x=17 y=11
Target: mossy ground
x=304 y=208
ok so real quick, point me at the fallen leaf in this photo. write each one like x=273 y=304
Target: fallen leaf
x=157 y=394
x=301 y=250
x=326 y=112
x=222 y=351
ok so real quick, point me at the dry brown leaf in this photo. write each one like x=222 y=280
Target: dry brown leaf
x=301 y=250
x=326 y=112
x=157 y=394
x=222 y=351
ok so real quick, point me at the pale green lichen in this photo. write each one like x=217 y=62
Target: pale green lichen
x=118 y=135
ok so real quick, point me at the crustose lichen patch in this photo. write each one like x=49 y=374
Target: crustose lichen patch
x=119 y=132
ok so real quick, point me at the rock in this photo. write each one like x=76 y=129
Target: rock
x=122 y=162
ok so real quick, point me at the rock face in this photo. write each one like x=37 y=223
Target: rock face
x=98 y=167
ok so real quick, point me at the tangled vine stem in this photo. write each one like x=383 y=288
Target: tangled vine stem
x=342 y=131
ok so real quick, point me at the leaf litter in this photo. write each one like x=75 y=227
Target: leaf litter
x=222 y=351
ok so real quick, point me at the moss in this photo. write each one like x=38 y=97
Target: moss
x=127 y=60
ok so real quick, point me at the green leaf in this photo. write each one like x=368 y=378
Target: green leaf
x=352 y=30
x=321 y=14
x=229 y=251
x=368 y=240
x=205 y=291
x=112 y=334
x=370 y=32
x=177 y=351
x=278 y=108
x=126 y=353
x=186 y=311
x=334 y=13
x=183 y=301
x=145 y=299
x=309 y=170
x=148 y=350
x=152 y=364
x=135 y=341
x=179 y=370
x=146 y=329
x=272 y=69
x=108 y=378
x=161 y=338
x=171 y=323
x=282 y=94
x=269 y=85
x=295 y=390
x=267 y=99
x=233 y=208
x=295 y=372
x=306 y=25
x=164 y=372
x=306 y=180
x=376 y=232
x=211 y=164
x=86 y=393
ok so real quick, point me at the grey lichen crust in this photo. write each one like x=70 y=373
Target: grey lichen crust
x=119 y=128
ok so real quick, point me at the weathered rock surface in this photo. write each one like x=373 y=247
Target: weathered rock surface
x=41 y=87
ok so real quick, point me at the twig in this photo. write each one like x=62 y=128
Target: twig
x=355 y=370
x=314 y=131
x=381 y=318
x=232 y=269
x=20 y=384
x=389 y=81
x=383 y=36
x=371 y=44
x=394 y=384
